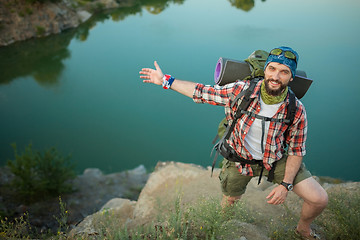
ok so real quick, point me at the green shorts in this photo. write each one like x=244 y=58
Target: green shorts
x=233 y=183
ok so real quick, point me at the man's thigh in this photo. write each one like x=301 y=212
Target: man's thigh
x=233 y=183
x=311 y=191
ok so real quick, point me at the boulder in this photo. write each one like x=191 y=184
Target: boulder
x=94 y=189
x=119 y=206
x=171 y=180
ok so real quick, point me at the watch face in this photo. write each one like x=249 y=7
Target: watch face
x=288 y=186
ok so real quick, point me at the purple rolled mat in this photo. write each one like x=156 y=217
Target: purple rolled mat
x=229 y=70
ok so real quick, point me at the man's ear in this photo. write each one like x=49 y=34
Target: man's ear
x=291 y=79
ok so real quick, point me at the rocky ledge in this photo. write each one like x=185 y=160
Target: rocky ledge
x=192 y=182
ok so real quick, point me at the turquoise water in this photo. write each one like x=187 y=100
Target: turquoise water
x=80 y=90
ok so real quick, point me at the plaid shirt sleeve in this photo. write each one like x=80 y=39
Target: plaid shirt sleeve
x=215 y=95
x=298 y=132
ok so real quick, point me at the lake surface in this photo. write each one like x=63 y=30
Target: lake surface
x=80 y=90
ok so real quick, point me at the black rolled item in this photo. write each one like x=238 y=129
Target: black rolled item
x=229 y=70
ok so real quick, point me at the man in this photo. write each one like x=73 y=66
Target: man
x=247 y=138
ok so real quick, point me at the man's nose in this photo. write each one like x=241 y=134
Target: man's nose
x=276 y=75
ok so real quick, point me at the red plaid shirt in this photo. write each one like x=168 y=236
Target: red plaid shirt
x=274 y=148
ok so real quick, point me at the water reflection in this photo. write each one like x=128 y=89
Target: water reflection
x=119 y=14
x=40 y=58
x=245 y=5
x=156 y=7
x=43 y=58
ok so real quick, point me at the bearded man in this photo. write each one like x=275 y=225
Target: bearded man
x=260 y=142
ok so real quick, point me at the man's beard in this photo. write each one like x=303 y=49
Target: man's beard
x=274 y=92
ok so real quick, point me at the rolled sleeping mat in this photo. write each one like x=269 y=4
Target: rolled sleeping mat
x=229 y=70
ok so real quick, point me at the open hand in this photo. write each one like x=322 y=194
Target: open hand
x=277 y=195
x=152 y=75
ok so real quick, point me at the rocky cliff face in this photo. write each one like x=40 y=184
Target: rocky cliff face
x=20 y=20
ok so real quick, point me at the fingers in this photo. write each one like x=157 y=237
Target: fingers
x=146 y=73
x=276 y=201
x=270 y=194
x=276 y=196
x=156 y=66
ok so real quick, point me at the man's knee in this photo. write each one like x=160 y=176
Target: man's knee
x=322 y=198
x=312 y=192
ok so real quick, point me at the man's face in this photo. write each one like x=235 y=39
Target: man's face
x=277 y=77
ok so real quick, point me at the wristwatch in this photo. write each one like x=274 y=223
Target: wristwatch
x=288 y=186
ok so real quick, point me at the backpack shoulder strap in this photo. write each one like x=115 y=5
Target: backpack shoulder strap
x=244 y=105
x=291 y=108
x=246 y=93
x=290 y=116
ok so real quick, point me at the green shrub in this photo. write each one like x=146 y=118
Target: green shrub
x=208 y=219
x=39 y=175
x=40 y=30
x=21 y=14
x=62 y=219
x=97 y=7
x=17 y=229
x=28 y=11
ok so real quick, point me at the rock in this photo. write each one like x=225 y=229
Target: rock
x=20 y=20
x=140 y=170
x=107 y=4
x=94 y=189
x=171 y=180
x=83 y=15
x=88 y=227
x=92 y=174
x=117 y=203
x=37 y=20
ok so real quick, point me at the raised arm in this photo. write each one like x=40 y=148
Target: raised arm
x=155 y=76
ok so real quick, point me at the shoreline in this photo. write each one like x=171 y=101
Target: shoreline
x=20 y=20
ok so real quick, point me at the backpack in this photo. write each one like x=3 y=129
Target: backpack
x=256 y=61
